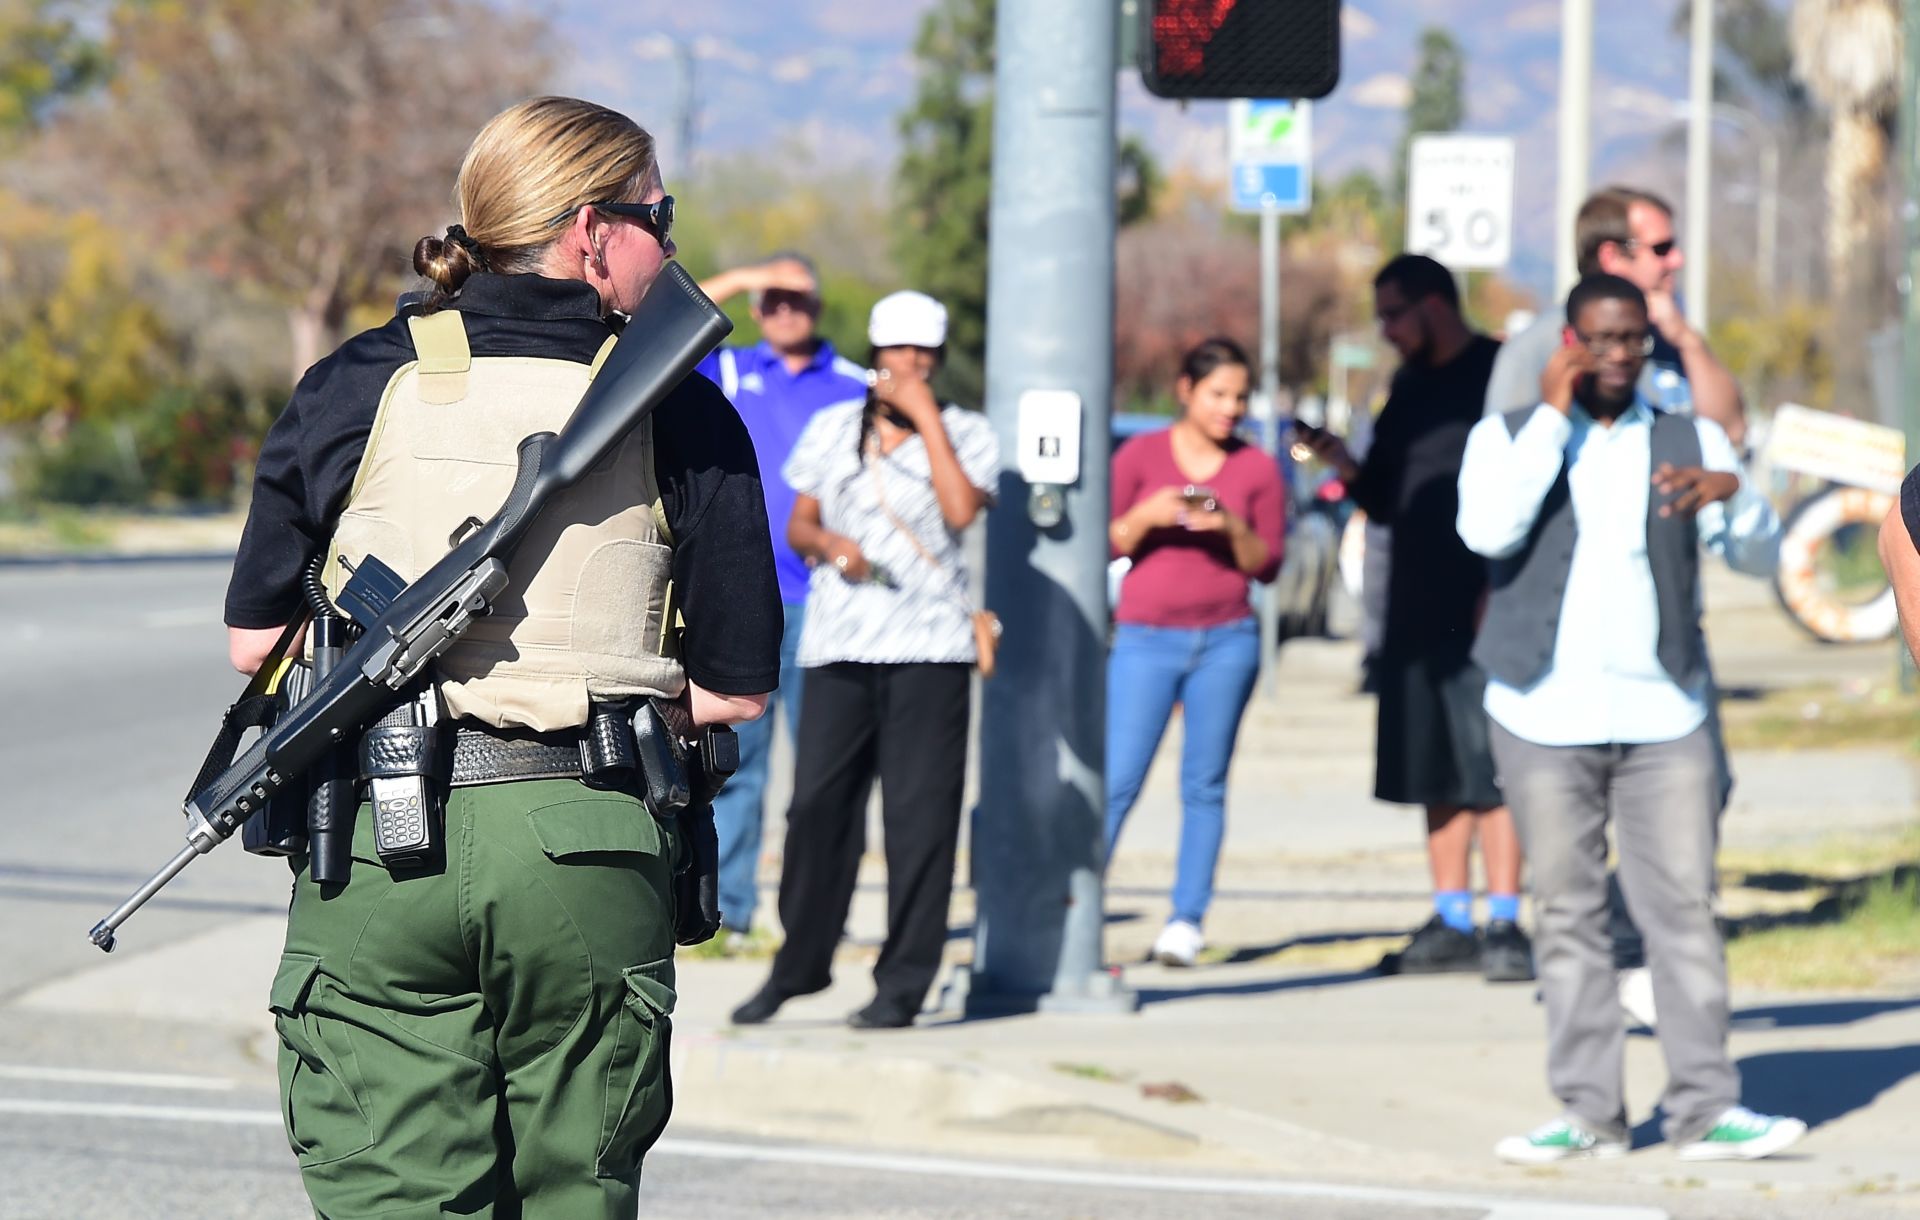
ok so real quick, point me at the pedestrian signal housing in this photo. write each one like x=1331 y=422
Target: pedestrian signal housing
x=1240 y=48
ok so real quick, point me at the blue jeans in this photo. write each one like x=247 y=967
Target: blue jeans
x=738 y=811
x=1210 y=672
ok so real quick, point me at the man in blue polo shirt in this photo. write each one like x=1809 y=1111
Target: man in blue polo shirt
x=776 y=385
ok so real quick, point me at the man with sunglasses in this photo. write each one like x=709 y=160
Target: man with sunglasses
x=1592 y=507
x=776 y=385
x=1629 y=233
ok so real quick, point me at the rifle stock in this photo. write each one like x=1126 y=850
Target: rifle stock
x=674 y=327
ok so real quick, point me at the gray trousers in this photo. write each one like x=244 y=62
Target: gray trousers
x=1664 y=800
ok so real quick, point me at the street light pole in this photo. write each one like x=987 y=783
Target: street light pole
x=1910 y=222
x=1038 y=845
x=1769 y=217
x=1576 y=117
x=1699 y=162
x=1909 y=281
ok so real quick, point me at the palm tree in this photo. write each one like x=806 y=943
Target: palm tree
x=1848 y=52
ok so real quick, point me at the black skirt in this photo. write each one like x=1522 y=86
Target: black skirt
x=1432 y=748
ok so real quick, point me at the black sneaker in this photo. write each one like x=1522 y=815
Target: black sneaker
x=1506 y=955
x=1435 y=948
x=880 y=1016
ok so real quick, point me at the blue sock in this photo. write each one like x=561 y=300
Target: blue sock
x=1455 y=908
x=1503 y=906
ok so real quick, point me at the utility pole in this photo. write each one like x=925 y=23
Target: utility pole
x=1267 y=415
x=1038 y=841
x=1576 y=110
x=1699 y=162
x=1909 y=136
x=687 y=103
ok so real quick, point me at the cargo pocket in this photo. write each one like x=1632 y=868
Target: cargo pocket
x=639 y=1084
x=319 y=1098
x=592 y=827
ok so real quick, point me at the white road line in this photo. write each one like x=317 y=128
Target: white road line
x=166 y=1114
x=1492 y=1207
x=135 y=1080
x=1496 y=1208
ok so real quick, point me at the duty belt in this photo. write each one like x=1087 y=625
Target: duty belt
x=486 y=755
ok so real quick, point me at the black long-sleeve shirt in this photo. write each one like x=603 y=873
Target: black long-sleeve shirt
x=703 y=458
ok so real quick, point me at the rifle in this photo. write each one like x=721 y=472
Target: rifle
x=673 y=328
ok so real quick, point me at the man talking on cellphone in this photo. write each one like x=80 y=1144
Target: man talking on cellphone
x=1629 y=233
x=1593 y=506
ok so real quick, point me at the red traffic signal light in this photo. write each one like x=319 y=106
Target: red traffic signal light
x=1241 y=48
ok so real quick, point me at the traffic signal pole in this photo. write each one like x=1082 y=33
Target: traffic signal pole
x=1576 y=111
x=1038 y=832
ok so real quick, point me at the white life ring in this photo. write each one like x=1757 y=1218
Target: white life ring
x=1797 y=581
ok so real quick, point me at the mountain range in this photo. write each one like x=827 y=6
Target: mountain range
x=820 y=82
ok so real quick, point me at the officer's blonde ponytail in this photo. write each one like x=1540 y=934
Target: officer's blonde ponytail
x=530 y=168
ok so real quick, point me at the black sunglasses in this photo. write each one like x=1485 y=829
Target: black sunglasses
x=1660 y=248
x=656 y=217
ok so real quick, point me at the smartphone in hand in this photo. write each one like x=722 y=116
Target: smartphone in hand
x=1200 y=497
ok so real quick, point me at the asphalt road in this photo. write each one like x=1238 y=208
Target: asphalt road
x=115 y=677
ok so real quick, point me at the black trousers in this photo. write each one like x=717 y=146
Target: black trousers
x=907 y=725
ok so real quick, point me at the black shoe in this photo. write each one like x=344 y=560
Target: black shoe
x=1506 y=955
x=1435 y=948
x=880 y=1016
x=760 y=1006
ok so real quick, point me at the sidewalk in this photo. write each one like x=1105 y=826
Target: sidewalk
x=1300 y=1064
x=1327 y=1070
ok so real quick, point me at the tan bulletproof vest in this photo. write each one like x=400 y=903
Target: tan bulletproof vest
x=586 y=613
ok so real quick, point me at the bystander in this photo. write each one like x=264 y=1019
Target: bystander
x=1431 y=748
x=1200 y=512
x=883 y=488
x=1629 y=233
x=1593 y=506
x=776 y=385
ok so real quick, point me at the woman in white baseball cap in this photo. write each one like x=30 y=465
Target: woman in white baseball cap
x=884 y=486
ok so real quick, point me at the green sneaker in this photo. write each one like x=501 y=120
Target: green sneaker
x=1741 y=1135
x=1560 y=1140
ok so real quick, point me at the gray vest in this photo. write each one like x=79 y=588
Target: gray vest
x=1516 y=640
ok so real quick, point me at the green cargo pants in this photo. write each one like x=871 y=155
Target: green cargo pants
x=491 y=1039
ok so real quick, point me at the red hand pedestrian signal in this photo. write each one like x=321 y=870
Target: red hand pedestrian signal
x=1241 y=48
x=1181 y=31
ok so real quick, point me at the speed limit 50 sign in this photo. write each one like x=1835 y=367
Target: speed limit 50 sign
x=1460 y=200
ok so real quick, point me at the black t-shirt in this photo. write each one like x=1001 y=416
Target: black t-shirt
x=709 y=479
x=1410 y=481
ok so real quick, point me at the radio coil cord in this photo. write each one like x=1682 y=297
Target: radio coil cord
x=332 y=799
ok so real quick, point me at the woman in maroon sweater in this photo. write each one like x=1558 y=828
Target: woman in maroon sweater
x=1200 y=513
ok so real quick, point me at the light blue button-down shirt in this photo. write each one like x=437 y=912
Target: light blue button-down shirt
x=1606 y=684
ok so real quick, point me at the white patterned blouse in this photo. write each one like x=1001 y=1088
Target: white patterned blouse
x=918 y=606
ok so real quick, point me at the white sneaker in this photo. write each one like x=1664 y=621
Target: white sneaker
x=1179 y=944
x=1741 y=1135
x=1560 y=1140
x=1636 y=995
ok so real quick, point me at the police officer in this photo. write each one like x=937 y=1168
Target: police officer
x=489 y=1036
